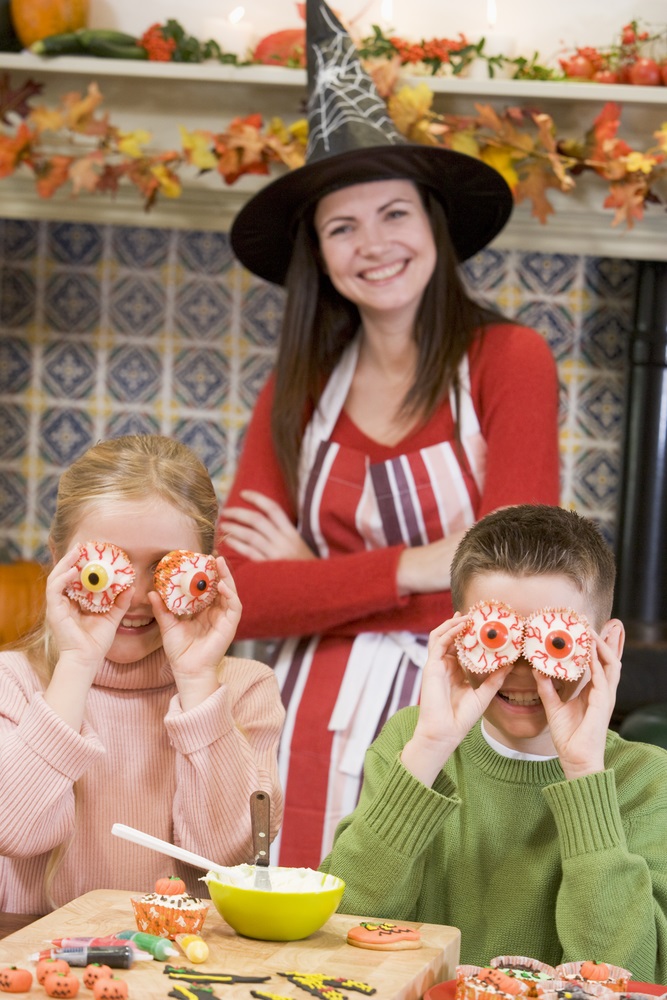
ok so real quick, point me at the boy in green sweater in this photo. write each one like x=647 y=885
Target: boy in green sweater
x=503 y=805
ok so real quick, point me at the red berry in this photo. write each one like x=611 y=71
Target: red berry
x=606 y=76
x=577 y=67
x=645 y=73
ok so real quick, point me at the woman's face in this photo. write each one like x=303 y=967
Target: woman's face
x=377 y=246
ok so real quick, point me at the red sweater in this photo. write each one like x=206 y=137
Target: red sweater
x=514 y=388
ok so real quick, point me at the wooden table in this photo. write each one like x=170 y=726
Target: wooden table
x=395 y=975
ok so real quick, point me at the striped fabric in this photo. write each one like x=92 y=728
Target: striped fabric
x=339 y=690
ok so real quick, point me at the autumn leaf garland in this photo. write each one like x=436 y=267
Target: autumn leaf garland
x=76 y=144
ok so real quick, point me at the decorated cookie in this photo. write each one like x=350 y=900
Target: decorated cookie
x=558 y=643
x=186 y=581
x=105 y=571
x=492 y=637
x=383 y=937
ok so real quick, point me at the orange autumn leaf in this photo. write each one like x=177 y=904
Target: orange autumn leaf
x=384 y=73
x=14 y=149
x=533 y=186
x=52 y=174
x=503 y=128
x=80 y=110
x=46 y=119
x=85 y=173
x=628 y=202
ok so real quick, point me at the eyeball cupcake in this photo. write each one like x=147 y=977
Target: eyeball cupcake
x=558 y=642
x=105 y=571
x=186 y=581
x=492 y=637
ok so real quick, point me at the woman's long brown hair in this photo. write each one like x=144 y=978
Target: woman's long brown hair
x=318 y=324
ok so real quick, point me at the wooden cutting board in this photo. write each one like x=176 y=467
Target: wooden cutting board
x=395 y=975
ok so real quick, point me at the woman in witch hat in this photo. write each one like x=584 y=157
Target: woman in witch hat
x=400 y=411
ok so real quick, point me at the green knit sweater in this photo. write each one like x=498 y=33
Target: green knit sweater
x=521 y=860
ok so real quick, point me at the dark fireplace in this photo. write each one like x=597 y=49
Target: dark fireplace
x=641 y=587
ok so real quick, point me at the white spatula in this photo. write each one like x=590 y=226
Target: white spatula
x=163 y=846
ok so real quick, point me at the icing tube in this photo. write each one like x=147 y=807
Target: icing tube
x=194 y=947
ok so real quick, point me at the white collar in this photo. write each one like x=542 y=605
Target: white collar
x=514 y=754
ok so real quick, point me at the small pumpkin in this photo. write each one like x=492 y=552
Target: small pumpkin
x=596 y=971
x=48 y=965
x=15 y=980
x=110 y=988
x=37 y=19
x=61 y=984
x=95 y=971
x=171 y=885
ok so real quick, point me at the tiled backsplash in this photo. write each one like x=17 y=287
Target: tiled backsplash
x=106 y=330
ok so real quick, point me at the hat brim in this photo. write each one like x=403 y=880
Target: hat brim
x=476 y=199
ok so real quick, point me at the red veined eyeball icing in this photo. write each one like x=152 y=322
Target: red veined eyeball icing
x=492 y=637
x=186 y=581
x=198 y=584
x=105 y=571
x=95 y=576
x=558 y=642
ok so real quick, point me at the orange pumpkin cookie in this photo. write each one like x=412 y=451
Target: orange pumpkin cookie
x=105 y=571
x=383 y=937
x=15 y=980
x=492 y=637
x=558 y=643
x=186 y=581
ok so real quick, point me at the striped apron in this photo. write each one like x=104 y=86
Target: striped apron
x=339 y=690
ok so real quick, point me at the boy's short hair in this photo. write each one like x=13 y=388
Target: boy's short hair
x=533 y=540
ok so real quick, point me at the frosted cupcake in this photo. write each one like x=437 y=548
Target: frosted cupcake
x=612 y=976
x=169 y=910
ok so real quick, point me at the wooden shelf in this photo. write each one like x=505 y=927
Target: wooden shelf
x=160 y=97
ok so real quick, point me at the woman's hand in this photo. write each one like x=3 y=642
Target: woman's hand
x=579 y=725
x=195 y=645
x=425 y=569
x=265 y=533
x=449 y=704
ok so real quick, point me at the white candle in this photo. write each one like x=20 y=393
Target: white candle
x=233 y=33
x=495 y=44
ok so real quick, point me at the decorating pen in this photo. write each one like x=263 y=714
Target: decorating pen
x=115 y=956
x=159 y=947
x=194 y=947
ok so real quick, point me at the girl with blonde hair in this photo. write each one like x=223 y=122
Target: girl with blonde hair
x=135 y=715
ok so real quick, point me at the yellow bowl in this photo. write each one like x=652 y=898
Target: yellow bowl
x=278 y=915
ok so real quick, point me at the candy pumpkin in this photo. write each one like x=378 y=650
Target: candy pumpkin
x=48 y=965
x=95 y=971
x=61 y=984
x=37 y=19
x=171 y=885
x=594 y=970
x=110 y=988
x=15 y=980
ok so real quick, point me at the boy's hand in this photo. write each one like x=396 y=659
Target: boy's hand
x=449 y=705
x=579 y=724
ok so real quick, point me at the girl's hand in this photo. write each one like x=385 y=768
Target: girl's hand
x=81 y=637
x=449 y=705
x=265 y=533
x=579 y=725
x=196 y=645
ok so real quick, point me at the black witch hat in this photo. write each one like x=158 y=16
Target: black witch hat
x=351 y=140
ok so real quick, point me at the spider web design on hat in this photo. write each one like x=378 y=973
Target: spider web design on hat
x=343 y=98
